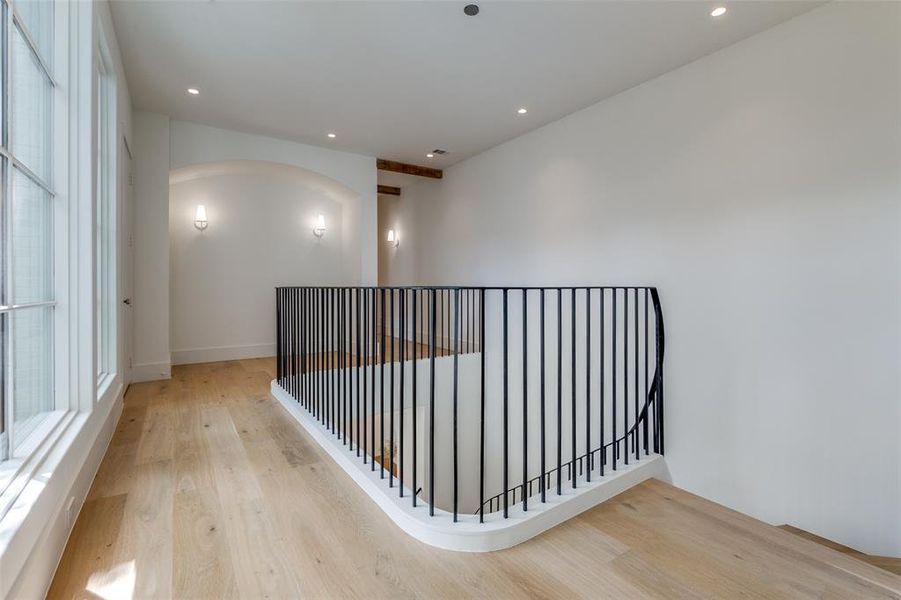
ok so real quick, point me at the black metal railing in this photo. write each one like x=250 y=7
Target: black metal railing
x=445 y=390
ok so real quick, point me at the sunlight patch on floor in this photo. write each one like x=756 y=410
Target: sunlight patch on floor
x=114 y=584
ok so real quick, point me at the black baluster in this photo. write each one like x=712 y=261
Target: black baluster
x=559 y=389
x=615 y=452
x=661 y=340
x=572 y=336
x=467 y=321
x=286 y=340
x=323 y=383
x=542 y=486
x=392 y=364
x=326 y=357
x=306 y=349
x=345 y=361
x=603 y=317
x=625 y=376
x=357 y=307
x=279 y=338
x=432 y=340
x=366 y=356
x=316 y=347
x=301 y=341
x=456 y=338
x=482 y=407
x=331 y=357
x=647 y=391
x=382 y=384
x=374 y=358
x=588 y=383
x=506 y=390
x=415 y=398
x=403 y=353
x=636 y=435
x=292 y=336
x=525 y=398
x=333 y=354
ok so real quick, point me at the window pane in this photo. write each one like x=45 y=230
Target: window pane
x=4 y=219
x=4 y=450
x=37 y=16
x=3 y=84
x=32 y=241
x=32 y=343
x=30 y=115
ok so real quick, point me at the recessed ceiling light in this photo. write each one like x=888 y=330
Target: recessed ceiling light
x=719 y=11
x=332 y=135
x=193 y=91
x=522 y=111
x=430 y=155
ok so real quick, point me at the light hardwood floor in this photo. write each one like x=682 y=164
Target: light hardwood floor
x=209 y=490
x=888 y=563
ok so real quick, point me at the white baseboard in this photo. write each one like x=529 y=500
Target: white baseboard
x=468 y=535
x=220 y=353
x=151 y=371
x=40 y=539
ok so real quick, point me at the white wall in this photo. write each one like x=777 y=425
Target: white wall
x=259 y=237
x=151 y=247
x=759 y=188
x=164 y=147
x=194 y=144
x=397 y=265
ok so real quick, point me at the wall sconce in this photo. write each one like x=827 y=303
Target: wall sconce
x=393 y=239
x=200 y=220
x=319 y=227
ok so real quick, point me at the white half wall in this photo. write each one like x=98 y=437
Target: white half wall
x=759 y=189
x=466 y=533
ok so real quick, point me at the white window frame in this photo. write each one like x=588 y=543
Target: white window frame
x=39 y=483
x=106 y=208
x=16 y=446
x=66 y=184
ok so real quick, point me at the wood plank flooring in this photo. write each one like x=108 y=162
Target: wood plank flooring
x=210 y=490
x=888 y=563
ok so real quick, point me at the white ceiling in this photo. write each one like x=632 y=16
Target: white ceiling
x=398 y=79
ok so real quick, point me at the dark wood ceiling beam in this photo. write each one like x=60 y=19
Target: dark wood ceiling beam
x=398 y=167
x=389 y=190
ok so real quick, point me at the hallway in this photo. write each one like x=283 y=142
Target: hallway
x=209 y=490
